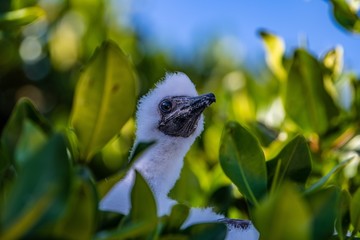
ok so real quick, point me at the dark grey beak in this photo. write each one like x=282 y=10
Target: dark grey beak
x=180 y=114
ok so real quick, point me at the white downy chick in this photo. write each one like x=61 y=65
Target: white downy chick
x=170 y=115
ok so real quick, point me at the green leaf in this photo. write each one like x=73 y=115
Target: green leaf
x=275 y=48
x=187 y=178
x=243 y=161
x=104 y=99
x=343 y=214
x=32 y=138
x=346 y=15
x=178 y=215
x=44 y=178
x=283 y=216
x=316 y=109
x=322 y=181
x=205 y=231
x=142 y=219
x=323 y=205
x=20 y=17
x=294 y=161
x=79 y=220
x=355 y=211
x=139 y=211
x=23 y=111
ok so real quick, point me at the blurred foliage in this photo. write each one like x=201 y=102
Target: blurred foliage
x=280 y=147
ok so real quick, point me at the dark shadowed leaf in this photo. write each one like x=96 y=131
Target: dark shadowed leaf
x=283 y=216
x=177 y=217
x=292 y=163
x=306 y=101
x=79 y=220
x=205 y=231
x=355 y=211
x=31 y=139
x=343 y=214
x=42 y=186
x=323 y=204
x=243 y=161
x=23 y=111
x=104 y=99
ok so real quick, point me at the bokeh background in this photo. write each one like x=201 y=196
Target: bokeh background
x=241 y=51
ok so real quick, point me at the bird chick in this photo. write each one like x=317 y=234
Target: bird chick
x=171 y=116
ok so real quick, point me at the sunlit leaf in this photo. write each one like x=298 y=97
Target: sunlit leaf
x=346 y=15
x=79 y=221
x=306 y=101
x=46 y=175
x=20 y=17
x=295 y=163
x=104 y=99
x=355 y=211
x=334 y=60
x=283 y=216
x=323 y=205
x=243 y=161
x=275 y=49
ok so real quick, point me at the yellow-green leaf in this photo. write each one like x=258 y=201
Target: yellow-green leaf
x=275 y=48
x=20 y=17
x=104 y=99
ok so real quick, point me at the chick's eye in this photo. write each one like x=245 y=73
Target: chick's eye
x=165 y=106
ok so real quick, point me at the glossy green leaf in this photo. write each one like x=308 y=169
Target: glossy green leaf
x=80 y=217
x=243 y=161
x=23 y=111
x=294 y=162
x=44 y=178
x=322 y=181
x=104 y=99
x=275 y=49
x=205 y=231
x=31 y=139
x=355 y=211
x=20 y=17
x=283 y=216
x=306 y=101
x=346 y=15
x=323 y=204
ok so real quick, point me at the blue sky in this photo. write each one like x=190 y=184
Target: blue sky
x=180 y=26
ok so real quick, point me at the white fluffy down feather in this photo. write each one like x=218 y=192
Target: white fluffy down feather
x=161 y=164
